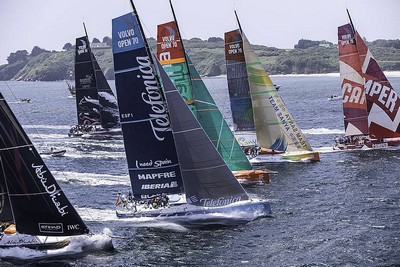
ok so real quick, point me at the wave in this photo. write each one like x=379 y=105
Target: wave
x=105 y=155
x=77 y=246
x=315 y=131
x=91 y=179
x=43 y=126
x=108 y=215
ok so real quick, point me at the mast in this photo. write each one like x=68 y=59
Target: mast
x=146 y=44
x=180 y=37
x=351 y=22
x=237 y=19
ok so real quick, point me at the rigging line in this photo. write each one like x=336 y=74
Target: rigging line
x=25 y=114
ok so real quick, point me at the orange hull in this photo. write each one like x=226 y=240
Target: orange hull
x=252 y=175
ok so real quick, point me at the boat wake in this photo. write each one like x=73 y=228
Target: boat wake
x=78 y=247
x=319 y=131
x=92 y=179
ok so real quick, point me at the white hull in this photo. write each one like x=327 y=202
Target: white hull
x=187 y=214
x=297 y=156
x=34 y=242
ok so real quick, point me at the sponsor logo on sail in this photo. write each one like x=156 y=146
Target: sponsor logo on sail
x=234 y=49
x=160 y=175
x=51 y=228
x=385 y=95
x=127 y=38
x=172 y=184
x=352 y=94
x=168 y=42
x=51 y=189
x=151 y=163
x=153 y=97
x=210 y=202
x=347 y=39
x=82 y=48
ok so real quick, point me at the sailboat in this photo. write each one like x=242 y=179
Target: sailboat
x=370 y=104
x=261 y=118
x=96 y=104
x=167 y=149
x=179 y=67
x=34 y=211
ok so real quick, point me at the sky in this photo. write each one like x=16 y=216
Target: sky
x=50 y=24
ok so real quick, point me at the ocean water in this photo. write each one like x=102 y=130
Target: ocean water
x=342 y=211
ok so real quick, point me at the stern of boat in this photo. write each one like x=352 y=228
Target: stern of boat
x=252 y=175
x=302 y=156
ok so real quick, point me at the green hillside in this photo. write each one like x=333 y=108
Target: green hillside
x=208 y=56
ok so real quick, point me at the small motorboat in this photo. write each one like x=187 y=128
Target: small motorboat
x=54 y=152
x=334 y=97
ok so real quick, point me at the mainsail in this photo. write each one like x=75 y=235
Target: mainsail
x=149 y=144
x=275 y=127
x=187 y=80
x=238 y=85
x=145 y=124
x=352 y=83
x=38 y=204
x=95 y=101
x=87 y=101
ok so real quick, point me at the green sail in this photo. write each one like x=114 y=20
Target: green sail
x=214 y=124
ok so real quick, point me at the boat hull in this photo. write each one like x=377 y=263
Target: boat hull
x=94 y=133
x=298 y=156
x=185 y=214
x=55 y=153
x=252 y=176
x=33 y=242
x=367 y=143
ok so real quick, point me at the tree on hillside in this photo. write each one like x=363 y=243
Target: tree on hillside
x=215 y=39
x=20 y=55
x=95 y=40
x=37 y=50
x=304 y=43
x=107 y=40
x=67 y=47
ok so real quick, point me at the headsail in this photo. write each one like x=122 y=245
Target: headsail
x=207 y=179
x=107 y=101
x=382 y=100
x=39 y=205
x=149 y=144
x=173 y=58
x=275 y=126
x=352 y=83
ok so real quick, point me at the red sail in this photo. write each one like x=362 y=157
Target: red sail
x=354 y=103
x=169 y=47
x=382 y=101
